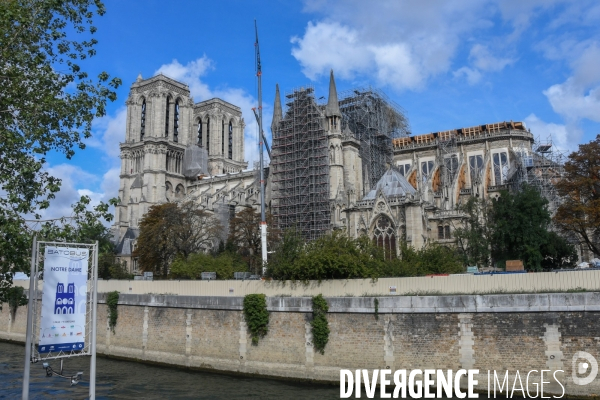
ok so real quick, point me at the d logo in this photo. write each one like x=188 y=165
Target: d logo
x=583 y=367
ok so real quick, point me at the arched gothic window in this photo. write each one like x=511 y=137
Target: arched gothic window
x=223 y=137
x=207 y=135
x=167 y=116
x=200 y=132
x=230 y=149
x=176 y=121
x=143 y=121
x=385 y=237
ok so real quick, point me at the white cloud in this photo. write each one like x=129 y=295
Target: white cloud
x=564 y=138
x=482 y=58
x=109 y=131
x=579 y=96
x=327 y=45
x=403 y=44
x=330 y=45
x=472 y=76
x=71 y=176
x=192 y=74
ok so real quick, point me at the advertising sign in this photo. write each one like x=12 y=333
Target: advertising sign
x=62 y=326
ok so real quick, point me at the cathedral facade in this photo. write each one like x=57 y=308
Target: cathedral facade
x=348 y=164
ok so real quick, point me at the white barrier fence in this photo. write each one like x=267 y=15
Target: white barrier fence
x=541 y=282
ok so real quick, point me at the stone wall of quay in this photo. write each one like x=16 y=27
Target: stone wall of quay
x=487 y=332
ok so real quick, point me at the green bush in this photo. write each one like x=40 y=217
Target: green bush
x=332 y=256
x=257 y=316
x=320 y=326
x=224 y=265
x=431 y=259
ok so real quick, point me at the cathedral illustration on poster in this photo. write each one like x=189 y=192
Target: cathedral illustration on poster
x=65 y=300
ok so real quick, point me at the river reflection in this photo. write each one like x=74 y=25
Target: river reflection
x=128 y=380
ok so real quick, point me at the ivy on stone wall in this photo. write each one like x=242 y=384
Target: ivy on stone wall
x=376 y=301
x=257 y=316
x=112 y=299
x=320 y=326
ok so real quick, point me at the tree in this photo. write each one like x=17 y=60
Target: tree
x=431 y=259
x=224 y=265
x=579 y=214
x=47 y=103
x=86 y=226
x=520 y=227
x=558 y=253
x=285 y=254
x=473 y=235
x=168 y=231
x=244 y=234
x=332 y=256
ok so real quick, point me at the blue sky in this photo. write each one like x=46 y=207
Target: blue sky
x=447 y=64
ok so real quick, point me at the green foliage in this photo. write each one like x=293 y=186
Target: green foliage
x=169 y=231
x=285 y=254
x=224 y=264
x=332 y=256
x=112 y=300
x=558 y=253
x=47 y=104
x=579 y=214
x=15 y=297
x=244 y=237
x=110 y=268
x=86 y=226
x=256 y=315
x=520 y=227
x=320 y=326
x=431 y=259
x=473 y=235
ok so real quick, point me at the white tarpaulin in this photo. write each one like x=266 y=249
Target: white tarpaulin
x=62 y=326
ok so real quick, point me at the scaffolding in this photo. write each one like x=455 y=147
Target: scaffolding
x=374 y=120
x=449 y=161
x=542 y=168
x=300 y=167
x=195 y=161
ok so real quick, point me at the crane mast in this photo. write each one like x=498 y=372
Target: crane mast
x=263 y=221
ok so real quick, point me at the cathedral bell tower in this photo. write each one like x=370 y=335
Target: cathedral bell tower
x=159 y=116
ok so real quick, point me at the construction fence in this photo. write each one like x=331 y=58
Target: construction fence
x=541 y=282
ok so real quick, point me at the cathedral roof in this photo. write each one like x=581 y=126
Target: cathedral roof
x=392 y=184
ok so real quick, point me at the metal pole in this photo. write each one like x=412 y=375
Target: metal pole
x=93 y=333
x=28 y=338
x=263 y=221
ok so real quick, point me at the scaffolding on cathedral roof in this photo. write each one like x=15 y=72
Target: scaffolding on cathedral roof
x=300 y=166
x=375 y=121
x=541 y=168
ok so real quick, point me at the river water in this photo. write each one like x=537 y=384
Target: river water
x=117 y=379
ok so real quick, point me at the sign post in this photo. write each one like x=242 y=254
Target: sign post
x=94 y=322
x=62 y=325
x=28 y=333
x=67 y=323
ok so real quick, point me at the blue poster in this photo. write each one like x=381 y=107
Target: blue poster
x=64 y=299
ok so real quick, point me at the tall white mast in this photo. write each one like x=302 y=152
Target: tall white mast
x=263 y=221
